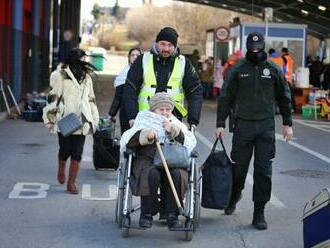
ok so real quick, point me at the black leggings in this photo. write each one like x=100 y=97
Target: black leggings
x=71 y=146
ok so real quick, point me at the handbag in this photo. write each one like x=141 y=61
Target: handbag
x=176 y=155
x=71 y=122
x=217 y=177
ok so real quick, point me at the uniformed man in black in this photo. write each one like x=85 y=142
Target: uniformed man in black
x=252 y=89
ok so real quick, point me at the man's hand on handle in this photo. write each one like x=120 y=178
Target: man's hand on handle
x=112 y=118
x=220 y=132
x=131 y=122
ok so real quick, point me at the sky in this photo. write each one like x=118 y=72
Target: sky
x=87 y=5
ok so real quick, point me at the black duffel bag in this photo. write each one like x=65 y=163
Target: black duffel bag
x=217 y=178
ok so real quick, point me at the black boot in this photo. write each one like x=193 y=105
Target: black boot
x=145 y=221
x=173 y=221
x=234 y=199
x=259 y=221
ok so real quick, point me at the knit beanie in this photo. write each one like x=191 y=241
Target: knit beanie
x=168 y=34
x=161 y=99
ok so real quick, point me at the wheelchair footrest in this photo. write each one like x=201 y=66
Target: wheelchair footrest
x=136 y=227
x=181 y=229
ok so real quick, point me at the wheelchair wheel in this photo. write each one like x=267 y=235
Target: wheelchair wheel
x=197 y=199
x=120 y=195
x=189 y=234
x=119 y=208
x=126 y=222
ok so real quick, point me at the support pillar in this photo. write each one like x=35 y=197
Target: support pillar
x=17 y=34
x=36 y=62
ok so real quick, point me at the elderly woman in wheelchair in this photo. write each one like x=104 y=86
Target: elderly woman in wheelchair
x=157 y=124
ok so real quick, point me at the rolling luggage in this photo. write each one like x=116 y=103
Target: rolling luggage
x=316 y=221
x=106 y=148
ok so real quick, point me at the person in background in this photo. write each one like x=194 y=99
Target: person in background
x=71 y=92
x=218 y=78
x=195 y=57
x=316 y=70
x=277 y=59
x=326 y=77
x=206 y=76
x=119 y=82
x=288 y=70
x=231 y=61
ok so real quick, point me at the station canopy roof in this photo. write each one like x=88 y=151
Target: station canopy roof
x=315 y=14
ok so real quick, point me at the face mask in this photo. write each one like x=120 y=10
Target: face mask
x=256 y=57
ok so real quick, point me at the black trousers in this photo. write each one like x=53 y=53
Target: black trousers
x=256 y=137
x=124 y=124
x=71 y=146
x=150 y=204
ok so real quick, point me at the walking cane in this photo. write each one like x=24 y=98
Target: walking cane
x=178 y=203
x=4 y=96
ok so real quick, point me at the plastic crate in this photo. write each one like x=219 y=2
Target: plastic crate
x=308 y=111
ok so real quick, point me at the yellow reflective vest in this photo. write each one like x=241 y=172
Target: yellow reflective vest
x=174 y=84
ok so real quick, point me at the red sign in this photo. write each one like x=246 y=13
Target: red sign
x=221 y=33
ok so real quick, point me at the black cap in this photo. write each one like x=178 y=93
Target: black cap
x=168 y=34
x=255 y=41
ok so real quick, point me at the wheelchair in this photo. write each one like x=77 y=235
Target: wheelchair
x=191 y=202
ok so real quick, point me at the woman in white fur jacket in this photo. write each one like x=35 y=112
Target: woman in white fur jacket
x=71 y=92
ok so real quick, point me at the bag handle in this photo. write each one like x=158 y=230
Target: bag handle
x=222 y=145
x=59 y=100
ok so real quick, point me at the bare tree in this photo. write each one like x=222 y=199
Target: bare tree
x=190 y=20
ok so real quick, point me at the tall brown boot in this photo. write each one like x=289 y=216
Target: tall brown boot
x=61 y=171
x=71 y=186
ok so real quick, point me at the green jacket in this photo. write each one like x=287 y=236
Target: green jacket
x=252 y=91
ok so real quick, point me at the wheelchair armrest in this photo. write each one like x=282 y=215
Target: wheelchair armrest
x=194 y=154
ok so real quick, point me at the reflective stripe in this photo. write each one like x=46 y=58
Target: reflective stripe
x=174 y=82
x=183 y=111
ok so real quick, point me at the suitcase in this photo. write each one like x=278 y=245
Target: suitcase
x=316 y=221
x=106 y=148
